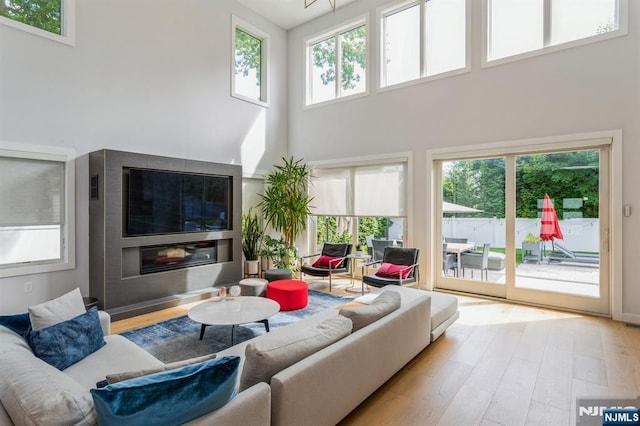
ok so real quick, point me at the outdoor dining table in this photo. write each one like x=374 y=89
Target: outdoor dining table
x=458 y=249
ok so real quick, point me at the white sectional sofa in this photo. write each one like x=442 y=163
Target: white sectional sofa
x=326 y=386
x=321 y=389
x=38 y=386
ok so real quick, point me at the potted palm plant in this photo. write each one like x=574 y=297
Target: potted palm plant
x=286 y=204
x=251 y=236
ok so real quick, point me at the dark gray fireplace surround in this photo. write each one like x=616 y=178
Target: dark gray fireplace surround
x=121 y=277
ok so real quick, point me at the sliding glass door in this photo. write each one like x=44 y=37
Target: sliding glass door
x=527 y=226
x=472 y=226
x=561 y=200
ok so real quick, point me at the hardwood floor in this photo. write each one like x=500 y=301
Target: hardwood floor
x=499 y=364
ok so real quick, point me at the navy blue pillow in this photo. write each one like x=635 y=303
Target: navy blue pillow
x=19 y=323
x=67 y=342
x=169 y=397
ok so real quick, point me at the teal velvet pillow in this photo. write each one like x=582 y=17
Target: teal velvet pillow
x=67 y=342
x=170 y=397
x=19 y=323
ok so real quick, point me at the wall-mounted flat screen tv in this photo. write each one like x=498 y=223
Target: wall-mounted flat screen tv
x=166 y=202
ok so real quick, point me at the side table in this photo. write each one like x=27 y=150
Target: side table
x=90 y=302
x=354 y=258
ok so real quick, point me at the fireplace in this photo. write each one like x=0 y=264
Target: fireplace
x=167 y=257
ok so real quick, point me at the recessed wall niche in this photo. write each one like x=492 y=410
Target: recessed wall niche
x=162 y=231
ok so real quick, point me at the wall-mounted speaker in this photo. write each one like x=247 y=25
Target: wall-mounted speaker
x=93 y=187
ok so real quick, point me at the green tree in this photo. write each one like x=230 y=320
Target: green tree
x=327 y=229
x=606 y=28
x=248 y=54
x=43 y=14
x=565 y=175
x=376 y=226
x=354 y=53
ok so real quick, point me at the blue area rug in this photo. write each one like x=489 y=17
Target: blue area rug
x=178 y=338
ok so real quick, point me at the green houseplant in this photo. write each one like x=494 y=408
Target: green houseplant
x=278 y=252
x=286 y=205
x=251 y=237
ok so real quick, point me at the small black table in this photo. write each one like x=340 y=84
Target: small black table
x=90 y=302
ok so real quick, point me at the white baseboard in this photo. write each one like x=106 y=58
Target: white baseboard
x=631 y=318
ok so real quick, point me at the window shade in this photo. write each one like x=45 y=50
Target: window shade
x=31 y=191
x=373 y=190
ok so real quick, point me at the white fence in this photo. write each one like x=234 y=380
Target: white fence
x=579 y=234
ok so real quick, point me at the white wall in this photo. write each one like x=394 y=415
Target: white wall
x=149 y=76
x=590 y=88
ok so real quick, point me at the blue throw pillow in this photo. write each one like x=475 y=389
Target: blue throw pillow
x=19 y=323
x=67 y=342
x=170 y=397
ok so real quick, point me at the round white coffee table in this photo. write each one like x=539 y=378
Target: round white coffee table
x=234 y=311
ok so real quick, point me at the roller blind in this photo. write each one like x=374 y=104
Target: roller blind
x=31 y=192
x=371 y=190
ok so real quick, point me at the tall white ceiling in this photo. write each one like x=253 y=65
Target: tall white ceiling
x=291 y=13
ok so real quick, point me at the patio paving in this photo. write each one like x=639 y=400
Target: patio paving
x=565 y=277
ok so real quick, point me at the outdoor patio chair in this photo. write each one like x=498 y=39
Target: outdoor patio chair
x=448 y=261
x=398 y=266
x=332 y=260
x=380 y=245
x=455 y=240
x=369 y=240
x=477 y=261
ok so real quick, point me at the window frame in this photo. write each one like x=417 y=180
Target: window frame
x=336 y=31
x=68 y=227
x=390 y=9
x=67 y=25
x=623 y=18
x=264 y=60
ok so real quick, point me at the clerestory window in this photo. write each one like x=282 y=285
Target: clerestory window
x=422 y=40
x=515 y=30
x=337 y=63
x=250 y=47
x=53 y=19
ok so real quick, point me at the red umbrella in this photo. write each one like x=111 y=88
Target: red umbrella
x=549 y=227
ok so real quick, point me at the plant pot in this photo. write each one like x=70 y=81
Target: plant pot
x=251 y=267
x=532 y=252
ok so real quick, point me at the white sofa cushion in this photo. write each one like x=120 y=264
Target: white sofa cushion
x=62 y=308
x=118 y=377
x=384 y=304
x=276 y=351
x=35 y=393
x=118 y=354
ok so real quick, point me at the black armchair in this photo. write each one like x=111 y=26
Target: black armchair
x=404 y=268
x=333 y=259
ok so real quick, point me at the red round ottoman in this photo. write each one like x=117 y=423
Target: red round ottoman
x=290 y=294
